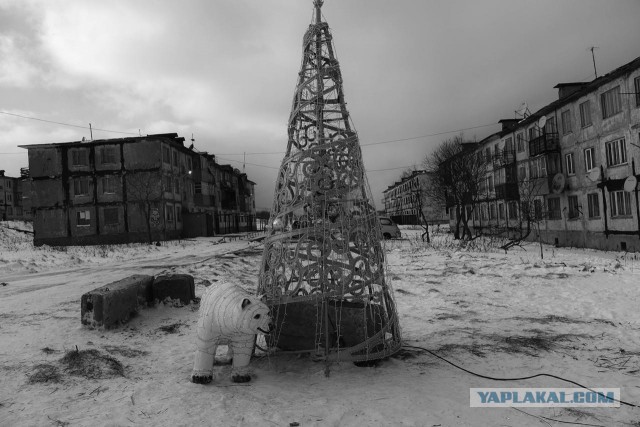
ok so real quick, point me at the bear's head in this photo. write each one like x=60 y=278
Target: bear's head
x=254 y=318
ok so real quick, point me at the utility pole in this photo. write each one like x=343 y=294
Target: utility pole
x=593 y=56
x=91 y=131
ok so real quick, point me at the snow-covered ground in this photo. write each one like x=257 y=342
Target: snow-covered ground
x=574 y=313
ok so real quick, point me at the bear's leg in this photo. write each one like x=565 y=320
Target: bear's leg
x=206 y=346
x=241 y=348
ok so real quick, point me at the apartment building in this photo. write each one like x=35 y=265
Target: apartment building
x=578 y=157
x=11 y=203
x=123 y=190
x=403 y=200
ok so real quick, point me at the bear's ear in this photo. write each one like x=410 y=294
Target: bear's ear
x=245 y=302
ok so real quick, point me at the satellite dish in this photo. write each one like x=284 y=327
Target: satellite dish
x=594 y=175
x=542 y=122
x=630 y=184
x=523 y=109
x=558 y=183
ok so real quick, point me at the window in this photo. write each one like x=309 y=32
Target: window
x=569 y=162
x=538 y=167
x=553 y=203
x=492 y=211
x=107 y=155
x=483 y=212
x=508 y=144
x=166 y=155
x=513 y=209
x=636 y=84
x=589 y=160
x=175 y=158
x=9 y=198
x=610 y=102
x=522 y=172
x=566 y=122
x=594 y=205
x=620 y=203
x=532 y=133
x=574 y=209
x=520 y=142
x=537 y=209
x=189 y=164
x=108 y=185
x=490 y=183
x=501 y=210
x=169 y=211
x=585 y=114
x=79 y=158
x=168 y=184
x=176 y=186
x=487 y=154
x=178 y=213
x=80 y=186
x=616 y=152
x=83 y=218
x=550 y=126
x=110 y=216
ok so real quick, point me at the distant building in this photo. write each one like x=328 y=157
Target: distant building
x=11 y=203
x=580 y=155
x=403 y=199
x=130 y=190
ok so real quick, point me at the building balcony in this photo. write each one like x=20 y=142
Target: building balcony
x=546 y=143
x=503 y=158
x=508 y=191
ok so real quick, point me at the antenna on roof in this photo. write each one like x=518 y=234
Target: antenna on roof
x=523 y=111
x=192 y=141
x=593 y=56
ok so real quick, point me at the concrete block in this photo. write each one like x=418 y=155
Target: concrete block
x=174 y=286
x=115 y=303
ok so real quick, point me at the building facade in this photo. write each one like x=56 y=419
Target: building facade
x=572 y=166
x=120 y=190
x=12 y=206
x=405 y=198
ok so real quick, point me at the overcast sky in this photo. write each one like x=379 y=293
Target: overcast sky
x=225 y=71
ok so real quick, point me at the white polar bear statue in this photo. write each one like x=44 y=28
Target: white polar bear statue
x=228 y=315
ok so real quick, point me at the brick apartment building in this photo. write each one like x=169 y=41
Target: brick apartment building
x=132 y=190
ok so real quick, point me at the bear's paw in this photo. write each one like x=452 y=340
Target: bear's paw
x=201 y=379
x=239 y=378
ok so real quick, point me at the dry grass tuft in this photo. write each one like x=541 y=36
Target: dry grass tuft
x=171 y=329
x=45 y=373
x=92 y=364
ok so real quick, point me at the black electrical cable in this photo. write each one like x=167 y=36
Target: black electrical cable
x=515 y=378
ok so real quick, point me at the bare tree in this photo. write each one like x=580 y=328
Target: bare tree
x=458 y=174
x=532 y=212
x=146 y=188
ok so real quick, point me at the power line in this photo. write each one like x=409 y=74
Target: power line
x=376 y=143
x=66 y=124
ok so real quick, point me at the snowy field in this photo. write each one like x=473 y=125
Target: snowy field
x=574 y=313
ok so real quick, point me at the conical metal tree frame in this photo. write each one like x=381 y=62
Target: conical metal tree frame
x=323 y=268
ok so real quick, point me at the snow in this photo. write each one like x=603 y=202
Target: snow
x=573 y=314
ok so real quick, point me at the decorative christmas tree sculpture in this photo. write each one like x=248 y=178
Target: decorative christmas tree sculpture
x=323 y=268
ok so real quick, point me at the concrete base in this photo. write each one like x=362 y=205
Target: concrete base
x=300 y=325
x=113 y=304
x=174 y=286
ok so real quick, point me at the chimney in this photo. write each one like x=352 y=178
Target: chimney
x=1 y=173
x=566 y=89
